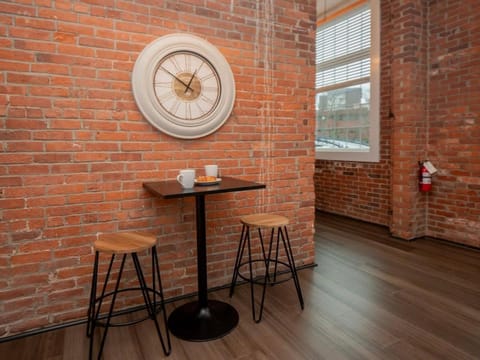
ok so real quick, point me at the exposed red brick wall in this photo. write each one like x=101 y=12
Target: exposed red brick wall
x=76 y=149
x=358 y=190
x=409 y=117
x=454 y=120
x=430 y=110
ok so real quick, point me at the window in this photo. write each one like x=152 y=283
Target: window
x=347 y=84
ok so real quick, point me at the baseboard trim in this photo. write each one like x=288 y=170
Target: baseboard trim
x=117 y=313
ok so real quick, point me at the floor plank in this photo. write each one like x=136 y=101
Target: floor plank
x=370 y=297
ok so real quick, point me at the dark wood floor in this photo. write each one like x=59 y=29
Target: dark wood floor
x=370 y=297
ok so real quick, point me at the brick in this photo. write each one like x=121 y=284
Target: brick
x=31 y=257
x=78 y=149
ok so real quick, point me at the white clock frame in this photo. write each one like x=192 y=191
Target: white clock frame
x=143 y=76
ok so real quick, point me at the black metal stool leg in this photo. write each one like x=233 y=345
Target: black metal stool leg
x=291 y=262
x=151 y=307
x=167 y=348
x=252 y=282
x=143 y=286
x=104 y=288
x=110 y=312
x=275 y=269
x=266 y=259
x=249 y=254
x=236 y=268
x=93 y=294
x=94 y=309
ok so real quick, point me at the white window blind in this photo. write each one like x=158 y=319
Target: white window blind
x=343 y=49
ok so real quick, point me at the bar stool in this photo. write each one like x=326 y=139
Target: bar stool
x=277 y=224
x=125 y=243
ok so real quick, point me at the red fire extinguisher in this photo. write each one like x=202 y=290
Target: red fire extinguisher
x=425 y=178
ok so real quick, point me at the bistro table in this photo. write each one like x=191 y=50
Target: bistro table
x=203 y=319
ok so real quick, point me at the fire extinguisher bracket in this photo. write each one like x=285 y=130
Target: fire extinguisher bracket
x=429 y=166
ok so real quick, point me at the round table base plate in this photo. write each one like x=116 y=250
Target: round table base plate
x=193 y=323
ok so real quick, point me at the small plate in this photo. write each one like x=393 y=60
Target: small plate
x=206 y=183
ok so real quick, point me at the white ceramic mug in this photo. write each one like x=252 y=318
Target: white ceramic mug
x=186 y=178
x=211 y=170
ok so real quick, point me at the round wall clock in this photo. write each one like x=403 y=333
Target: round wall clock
x=183 y=85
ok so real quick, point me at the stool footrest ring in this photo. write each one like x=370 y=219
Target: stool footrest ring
x=157 y=306
x=260 y=279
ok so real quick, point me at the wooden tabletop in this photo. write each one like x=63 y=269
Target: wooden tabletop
x=169 y=189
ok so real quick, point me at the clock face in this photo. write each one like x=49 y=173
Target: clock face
x=184 y=86
x=187 y=86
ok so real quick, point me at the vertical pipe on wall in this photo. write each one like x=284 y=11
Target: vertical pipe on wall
x=264 y=59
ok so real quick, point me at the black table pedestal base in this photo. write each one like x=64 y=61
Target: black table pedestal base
x=193 y=323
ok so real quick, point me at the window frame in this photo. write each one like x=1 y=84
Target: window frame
x=373 y=153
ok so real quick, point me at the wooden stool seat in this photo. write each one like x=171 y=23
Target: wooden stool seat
x=124 y=242
x=267 y=261
x=264 y=220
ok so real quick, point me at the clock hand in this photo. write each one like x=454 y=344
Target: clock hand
x=190 y=82
x=178 y=79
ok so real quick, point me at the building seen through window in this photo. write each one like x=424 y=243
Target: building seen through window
x=343 y=118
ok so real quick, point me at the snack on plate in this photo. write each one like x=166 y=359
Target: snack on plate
x=206 y=179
